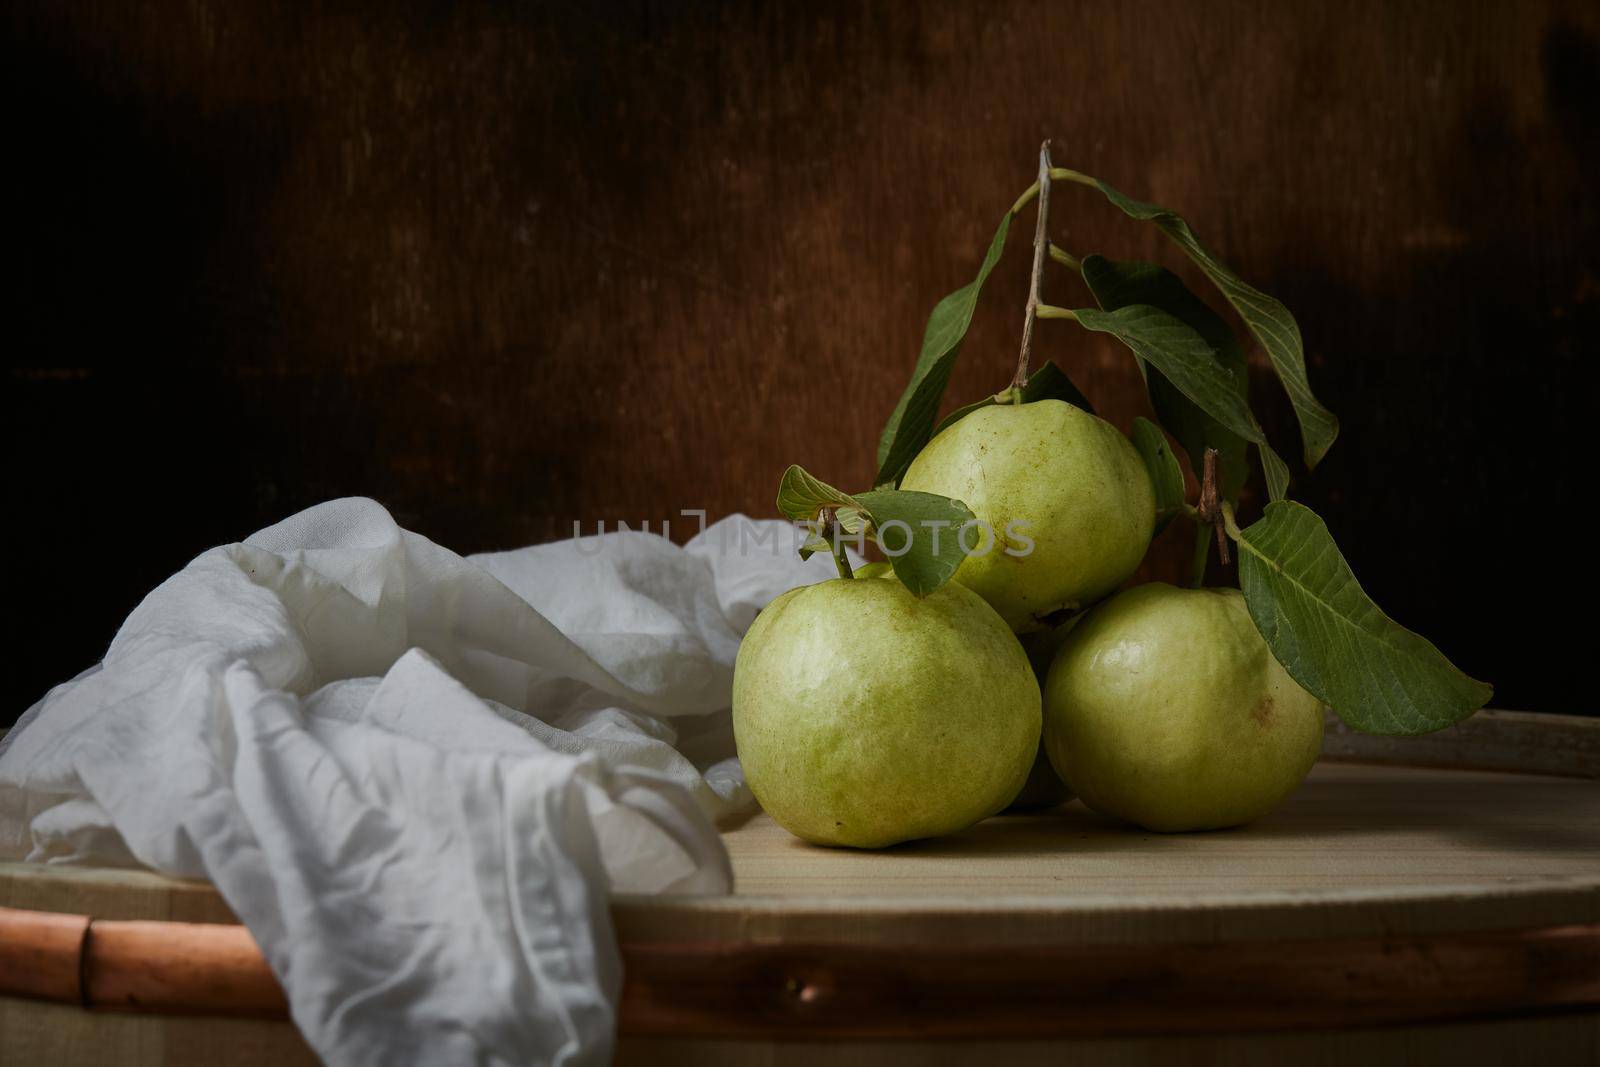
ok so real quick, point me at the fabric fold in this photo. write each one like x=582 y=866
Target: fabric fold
x=416 y=777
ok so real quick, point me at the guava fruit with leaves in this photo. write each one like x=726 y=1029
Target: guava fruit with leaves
x=1064 y=493
x=1165 y=707
x=866 y=716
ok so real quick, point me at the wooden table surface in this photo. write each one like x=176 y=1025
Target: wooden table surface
x=1375 y=896
x=1357 y=851
x=1423 y=848
x=1349 y=829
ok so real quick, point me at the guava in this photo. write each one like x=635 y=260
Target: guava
x=1166 y=708
x=865 y=716
x=1064 y=493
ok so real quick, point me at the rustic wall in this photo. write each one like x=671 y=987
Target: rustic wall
x=508 y=266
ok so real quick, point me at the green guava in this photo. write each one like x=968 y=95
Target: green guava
x=865 y=716
x=1065 y=494
x=1164 y=707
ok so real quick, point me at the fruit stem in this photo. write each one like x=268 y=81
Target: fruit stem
x=840 y=560
x=1212 y=505
x=1040 y=243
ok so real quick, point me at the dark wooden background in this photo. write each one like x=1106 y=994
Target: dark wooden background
x=507 y=266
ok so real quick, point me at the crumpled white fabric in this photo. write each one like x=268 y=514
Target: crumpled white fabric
x=416 y=777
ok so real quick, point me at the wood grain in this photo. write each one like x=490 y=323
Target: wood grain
x=64 y=1036
x=507 y=267
x=843 y=991
x=743 y=988
x=1420 y=850
x=1561 y=745
x=34 y=1033
x=1349 y=829
x=1554 y=1041
x=1375 y=895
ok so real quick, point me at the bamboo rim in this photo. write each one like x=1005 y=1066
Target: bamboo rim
x=838 y=991
x=167 y=968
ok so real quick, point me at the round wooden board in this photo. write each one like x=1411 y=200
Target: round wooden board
x=1357 y=850
x=1405 y=895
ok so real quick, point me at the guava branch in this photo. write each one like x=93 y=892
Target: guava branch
x=1212 y=505
x=1040 y=244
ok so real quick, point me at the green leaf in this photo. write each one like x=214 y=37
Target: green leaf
x=801 y=497
x=1166 y=477
x=1268 y=320
x=1177 y=351
x=1332 y=639
x=1117 y=285
x=1276 y=471
x=922 y=536
x=920 y=533
x=911 y=425
x=1049 y=382
x=813 y=544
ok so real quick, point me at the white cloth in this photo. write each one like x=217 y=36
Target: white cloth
x=415 y=777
